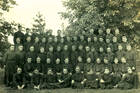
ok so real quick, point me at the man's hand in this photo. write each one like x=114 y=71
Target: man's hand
x=102 y=81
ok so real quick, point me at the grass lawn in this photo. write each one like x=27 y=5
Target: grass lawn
x=4 y=89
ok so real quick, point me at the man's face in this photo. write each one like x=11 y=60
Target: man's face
x=114 y=39
x=108 y=31
x=105 y=61
x=55 y=39
x=42 y=49
x=89 y=39
x=88 y=60
x=116 y=61
x=101 y=49
x=36 y=39
x=19 y=70
x=12 y=48
x=129 y=70
x=18 y=40
x=20 y=28
x=65 y=71
x=58 y=48
x=50 y=40
x=28 y=39
x=77 y=69
x=106 y=71
x=32 y=48
x=117 y=31
x=128 y=47
x=120 y=47
x=20 y=48
x=66 y=47
x=66 y=60
x=68 y=39
x=48 y=60
x=62 y=40
x=57 y=61
x=38 y=59
x=81 y=38
x=98 y=60
x=29 y=60
x=108 y=49
x=124 y=39
x=95 y=39
x=43 y=40
x=101 y=39
x=87 y=48
x=91 y=31
x=51 y=49
x=80 y=47
x=123 y=60
x=75 y=38
x=73 y=47
x=107 y=40
x=80 y=59
x=49 y=72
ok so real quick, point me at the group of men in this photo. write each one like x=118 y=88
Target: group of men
x=93 y=59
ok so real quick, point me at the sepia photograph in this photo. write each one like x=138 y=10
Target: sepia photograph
x=69 y=46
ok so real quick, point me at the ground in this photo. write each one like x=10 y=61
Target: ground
x=4 y=89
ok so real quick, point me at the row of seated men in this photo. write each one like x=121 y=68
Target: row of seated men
x=117 y=69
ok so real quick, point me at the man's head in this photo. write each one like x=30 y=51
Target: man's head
x=51 y=48
x=65 y=71
x=38 y=59
x=31 y=48
x=43 y=40
x=18 y=40
x=73 y=47
x=87 y=48
x=20 y=47
x=19 y=70
x=128 y=47
x=58 y=61
x=79 y=59
x=88 y=60
x=98 y=60
x=101 y=49
x=80 y=47
x=77 y=69
x=108 y=31
x=124 y=39
x=105 y=60
x=12 y=48
x=89 y=39
x=36 y=39
x=55 y=39
x=116 y=60
x=120 y=47
x=48 y=60
x=117 y=31
x=66 y=47
x=42 y=50
x=114 y=39
x=106 y=71
x=29 y=60
x=28 y=39
x=66 y=60
x=123 y=60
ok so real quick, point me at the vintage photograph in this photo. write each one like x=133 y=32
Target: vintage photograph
x=69 y=46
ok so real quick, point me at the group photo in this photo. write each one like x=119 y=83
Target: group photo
x=79 y=46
